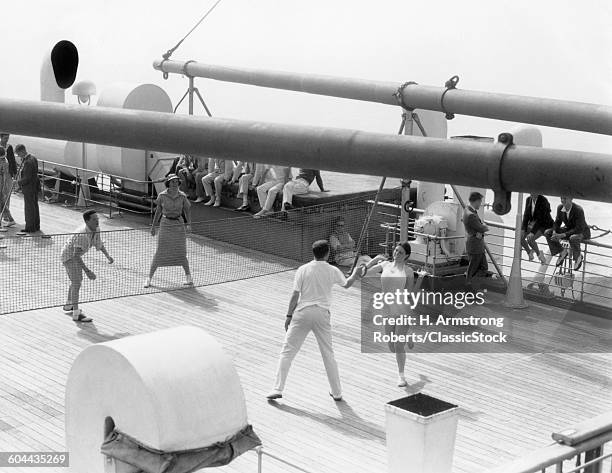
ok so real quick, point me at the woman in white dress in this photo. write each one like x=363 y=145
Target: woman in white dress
x=396 y=275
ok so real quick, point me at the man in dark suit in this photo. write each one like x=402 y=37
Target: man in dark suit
x=571 y=225
x=536 y=220
x=30 y=186
x=474 y=244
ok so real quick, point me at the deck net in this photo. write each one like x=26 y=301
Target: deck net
x=218 y=251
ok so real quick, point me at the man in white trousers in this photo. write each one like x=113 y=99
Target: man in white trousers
x=300 y=186
x=309 y=311
x=267 y=192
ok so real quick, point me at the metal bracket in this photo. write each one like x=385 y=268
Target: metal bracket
x=184 y=69
x=501 y=200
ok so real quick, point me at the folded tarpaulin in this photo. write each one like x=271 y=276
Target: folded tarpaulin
x=144 y=459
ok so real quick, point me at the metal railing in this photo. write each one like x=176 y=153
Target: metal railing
x=261 y=452
x=585 y=449
x=107 y=192
x=592 y=283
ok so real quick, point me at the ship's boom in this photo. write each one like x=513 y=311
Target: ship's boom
x=579 y=116
x=491 y=165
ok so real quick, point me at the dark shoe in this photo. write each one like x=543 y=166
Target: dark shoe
x=244 y=208
x=561 y=258
x=578 y=263
x=68 y=308
x=274 y=395
x=287 y=206
x=336 y=398
x=80 y=317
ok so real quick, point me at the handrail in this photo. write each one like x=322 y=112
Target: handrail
x=69 y=166
x=260 y=452
x=552 y=455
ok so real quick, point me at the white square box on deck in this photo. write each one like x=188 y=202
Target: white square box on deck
x=421 y=433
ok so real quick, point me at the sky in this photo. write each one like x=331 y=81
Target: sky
x=558 y=49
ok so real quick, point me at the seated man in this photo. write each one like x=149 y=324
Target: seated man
x=225 y=176
x=267 y=192
x=216 y=168
x=343 y=246
x=253 y=176
x=185 y=171
x=198 y=173
x=300 y=185
x=536 y=219
x=569 y=225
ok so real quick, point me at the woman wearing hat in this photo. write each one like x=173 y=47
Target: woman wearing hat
x=172 y=207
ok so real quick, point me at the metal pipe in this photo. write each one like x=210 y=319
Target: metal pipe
x=579 y=174
x=579 y=116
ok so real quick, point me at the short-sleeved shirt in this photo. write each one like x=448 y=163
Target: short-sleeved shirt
x=172 y=207
x=314 y=282
x=82 y=239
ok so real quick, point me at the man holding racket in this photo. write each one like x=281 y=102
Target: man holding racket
x=77 y=245
x=309 y=312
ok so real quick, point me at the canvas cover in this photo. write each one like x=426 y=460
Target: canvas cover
x=142 y=459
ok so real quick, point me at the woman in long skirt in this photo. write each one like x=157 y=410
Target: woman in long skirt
x=173 y=209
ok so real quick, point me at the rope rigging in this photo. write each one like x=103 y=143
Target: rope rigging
x=170 y=51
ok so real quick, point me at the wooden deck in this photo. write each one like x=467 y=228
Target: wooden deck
x=509 y=403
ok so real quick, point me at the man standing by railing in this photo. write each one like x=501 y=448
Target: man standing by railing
x=9 y=173
x=474 y=243
x=30 y=187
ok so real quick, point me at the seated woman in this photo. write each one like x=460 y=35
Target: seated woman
x=343 y=246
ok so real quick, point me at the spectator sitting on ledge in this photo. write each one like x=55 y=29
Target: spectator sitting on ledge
x=571 y=225
x=343 y=246
x=300 y=186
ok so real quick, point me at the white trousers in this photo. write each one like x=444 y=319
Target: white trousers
x=207 y=182
x=296 y=187
x=266 y=193
x=317 y=320
x=243 y=183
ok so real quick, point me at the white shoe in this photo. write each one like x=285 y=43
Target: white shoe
x=199 y=199
x=147 y=282
x=211 y=201
x=401 y=381
x=217 y=203
x=188 y=281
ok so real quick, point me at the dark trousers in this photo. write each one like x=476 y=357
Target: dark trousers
x=30 y=207
x=555 y=245
x=530 y=246
x=477 y=266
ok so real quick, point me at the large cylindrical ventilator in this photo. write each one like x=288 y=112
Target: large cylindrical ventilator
x=141 y=398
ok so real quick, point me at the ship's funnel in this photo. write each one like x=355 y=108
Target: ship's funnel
x=58 y=71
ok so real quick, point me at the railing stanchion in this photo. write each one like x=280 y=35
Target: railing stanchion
x=586 y=250
x=259 y=459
